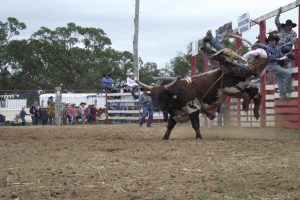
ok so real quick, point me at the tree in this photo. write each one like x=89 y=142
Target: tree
x=73 y=55
x=8 y=30
x=148 y=71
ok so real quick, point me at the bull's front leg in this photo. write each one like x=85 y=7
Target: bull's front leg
x=195 y=120
x=171 y=124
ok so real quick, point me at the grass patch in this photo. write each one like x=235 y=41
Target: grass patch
x=200 y=196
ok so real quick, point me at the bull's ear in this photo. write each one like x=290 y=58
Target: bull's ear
x=170 y=85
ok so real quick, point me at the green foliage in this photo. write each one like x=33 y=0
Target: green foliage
x=148 y=71
x=200 y=196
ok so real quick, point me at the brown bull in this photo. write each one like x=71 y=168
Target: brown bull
x=184 y=99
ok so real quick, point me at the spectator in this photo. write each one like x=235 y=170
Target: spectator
x=22 y=116
x=82 y=114
x=283 y=76
x=44 y=116
x=2 y=120
x=132 y=85
x=107 y=83
x=51 y=112
x=146 y=103
x=91 y=113
x=223 y=113
x=72 y=114
x=35 y=113
x=50 y=100
x=287 y=37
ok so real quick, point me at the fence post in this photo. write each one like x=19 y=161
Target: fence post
x=194 y=64
x=58 y=106
x=298 y=66
x=106 y=108
x=239 y=48
x=263 y=117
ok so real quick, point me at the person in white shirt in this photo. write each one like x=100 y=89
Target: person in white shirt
x=132 y=85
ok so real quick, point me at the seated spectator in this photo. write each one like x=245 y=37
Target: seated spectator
x=287 y=37
x=283 y=76
x=107 y=83
x=132 y=85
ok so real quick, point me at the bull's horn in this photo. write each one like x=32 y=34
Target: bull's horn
x=147 y=87
x=239 y=37
x=169 y=85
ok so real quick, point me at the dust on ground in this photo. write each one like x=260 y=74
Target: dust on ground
x=128 y=162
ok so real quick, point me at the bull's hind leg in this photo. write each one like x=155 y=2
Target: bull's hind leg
x=195 y=120
x=171 y=124
x=257 y=100
x=250 y=93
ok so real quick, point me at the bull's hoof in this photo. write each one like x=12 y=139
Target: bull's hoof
x=165 y=138
x=199 y=137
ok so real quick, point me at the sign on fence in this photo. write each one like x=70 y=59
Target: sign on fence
x=244 y=23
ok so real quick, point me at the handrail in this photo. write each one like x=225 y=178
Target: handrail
x=274 y=13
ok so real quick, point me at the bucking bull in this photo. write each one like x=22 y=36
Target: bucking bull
x=184 y=99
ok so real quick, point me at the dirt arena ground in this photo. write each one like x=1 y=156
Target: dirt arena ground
x=128 y=162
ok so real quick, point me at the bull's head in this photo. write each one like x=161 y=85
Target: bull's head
x=159 y=94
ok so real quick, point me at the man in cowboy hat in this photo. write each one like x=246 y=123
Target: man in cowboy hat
x=287 y=37
x=283 y=76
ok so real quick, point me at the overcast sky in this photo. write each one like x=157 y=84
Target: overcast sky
x=166 y=26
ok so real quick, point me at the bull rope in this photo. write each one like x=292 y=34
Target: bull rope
x=222 y=75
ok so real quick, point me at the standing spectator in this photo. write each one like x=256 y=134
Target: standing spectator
x=34 y=111
x=82 y=114
x=22 y=116
x=51 y=112
x=2 y=120
x=107 y=83
x=287 y=37
x=50 y=100
x=44 y=116
x=223 y=113
x=283 y=76
x=132 y=85
x=91 y=113
x=146 y=103
x=72 y=114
